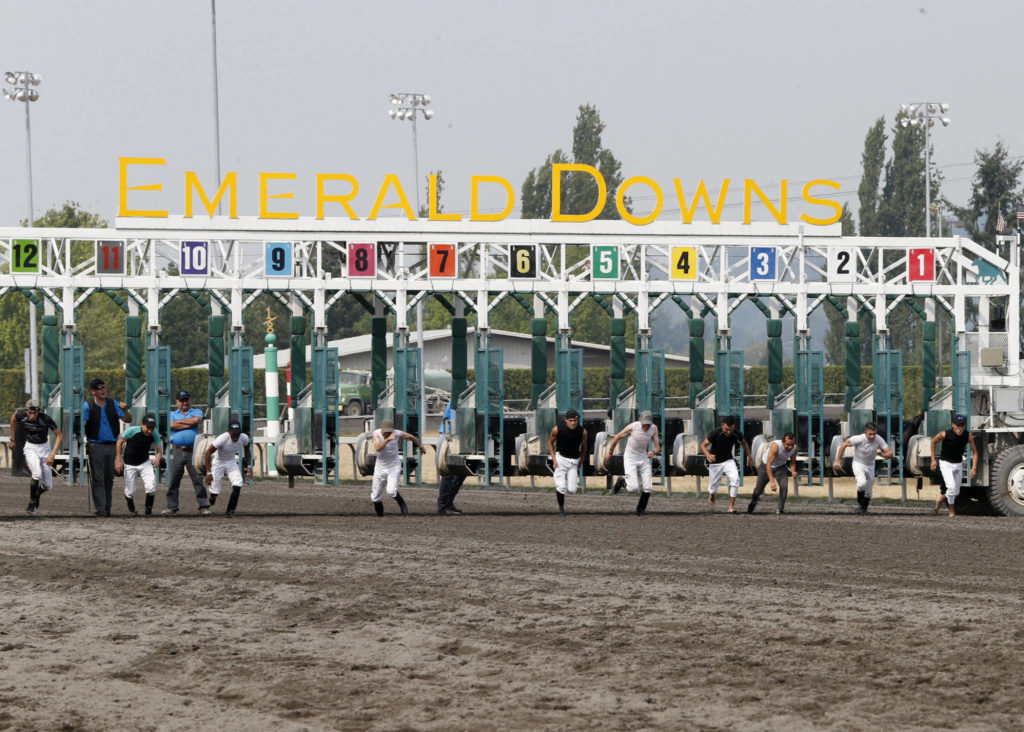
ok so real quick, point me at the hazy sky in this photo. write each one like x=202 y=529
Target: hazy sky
x=713 y=90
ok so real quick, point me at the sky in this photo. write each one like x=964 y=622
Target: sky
x=732 y=89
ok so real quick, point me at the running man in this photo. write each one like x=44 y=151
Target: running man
x=951 y=460
x=388 y=464
x=721 y=458
x=38 y=454
x=567 y=445
x=866 y=448
x=133 y=458
x=636 y=458
x=777 y=465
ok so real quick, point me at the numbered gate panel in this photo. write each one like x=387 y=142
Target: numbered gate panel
x=278 y=259
x=683 y=264
x=605 y=262
x=764 y=264
x=842 y=265
x=194 y=258
x=442 y=261
x=921 y=265
x=361 y=259
x=522 y=261
x=26 y=256
x=110 y=257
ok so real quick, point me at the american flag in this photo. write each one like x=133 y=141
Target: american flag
x=1020 y=214
x=1000 y=223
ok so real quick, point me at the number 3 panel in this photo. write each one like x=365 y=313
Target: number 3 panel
x=362 y=259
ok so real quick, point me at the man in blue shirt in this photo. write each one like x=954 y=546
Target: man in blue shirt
x=101 y=416
x=185 y=423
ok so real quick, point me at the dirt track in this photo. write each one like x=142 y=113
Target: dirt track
x=306 y=612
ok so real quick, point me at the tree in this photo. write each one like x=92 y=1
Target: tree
x=993 y=194
x=868 y=192
x=579 y=195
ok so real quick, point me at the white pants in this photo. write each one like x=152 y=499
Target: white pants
x=567 y=475
x=865 y=478
x=35 y=459
x=952 y=474
x=727 y=469
x=638 y=474
x=144 y=471
x=220 y=470
x=385 y=478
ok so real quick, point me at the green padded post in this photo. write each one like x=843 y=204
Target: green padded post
x=696 y=328
x=132 y=356
x=852 y=362
x=297 y=345
x=51 y=357
x=538 y=359
x=215 y=358
x=774 y=330
x=617 y=370
x=927 y=364
x=378 y=358
x=459 y=358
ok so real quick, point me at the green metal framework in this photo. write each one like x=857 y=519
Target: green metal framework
x=325 y=411
x=888 y=395
x=408 y=398
x=490 y=398
x=72 y=396
x=810 y=406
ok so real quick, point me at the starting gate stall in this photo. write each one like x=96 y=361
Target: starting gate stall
x=69 y=415
x=309 y=448
x=531 y=447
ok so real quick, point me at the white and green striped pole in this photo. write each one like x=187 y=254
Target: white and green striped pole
x=273 y=409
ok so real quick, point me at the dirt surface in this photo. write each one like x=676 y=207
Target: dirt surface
x=307 y=612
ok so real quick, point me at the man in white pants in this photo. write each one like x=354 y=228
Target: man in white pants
x=866 y=448
x=636 y=458
x=567 y=445
x=388 y=464
x=39 y=456
x=225 y=464
x=951 y=461
x=721 y=457
x=132 y=457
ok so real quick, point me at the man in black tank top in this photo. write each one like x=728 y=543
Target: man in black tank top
x=567 y=445
x=32 y=426
x=950 y=464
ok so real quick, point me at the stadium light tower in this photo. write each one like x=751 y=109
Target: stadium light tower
x=925 y=114
x=406 y=106
x=22 y=91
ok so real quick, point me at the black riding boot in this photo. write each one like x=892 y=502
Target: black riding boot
x=150 y=497
x=378 y=507
x=131 y=505
x=33 y=496
x=236 y=491
x=641 y=506
x=401 y=504
x=213 y=498
x=561 y=504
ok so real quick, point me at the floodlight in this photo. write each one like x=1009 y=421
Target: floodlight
x=428 y=113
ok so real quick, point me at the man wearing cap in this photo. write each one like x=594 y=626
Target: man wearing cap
x=388 y=464
x=636 y=458
x=37 y=451
x=224 y=452
x=101 y=415
x=133 y=458
x=719 y=447
x=184 y=424
x=866 y=449
x=951 y=461
x=567 y=445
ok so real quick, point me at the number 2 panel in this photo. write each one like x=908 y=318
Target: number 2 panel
x=842 y=265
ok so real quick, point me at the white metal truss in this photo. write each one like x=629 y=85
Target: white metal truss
x=725 y=265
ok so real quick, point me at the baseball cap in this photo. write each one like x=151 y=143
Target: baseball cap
x=646 y=417
x=149 y=420
x=959 y=419
x=571 y=414
x=96 y=383
x=32 y=404
x=183 y=395
x=387 y=425
x=235 y=424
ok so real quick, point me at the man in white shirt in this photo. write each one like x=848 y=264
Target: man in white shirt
x=866 y=449
x=225 y=464
x=636 y=458
x=388 y=464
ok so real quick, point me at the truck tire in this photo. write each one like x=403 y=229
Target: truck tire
x=354 y=408
x=1006 y=487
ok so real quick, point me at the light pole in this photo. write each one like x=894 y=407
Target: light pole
x=925 y=114
x=405 y=106
x=216 y=94
x=23 y=81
